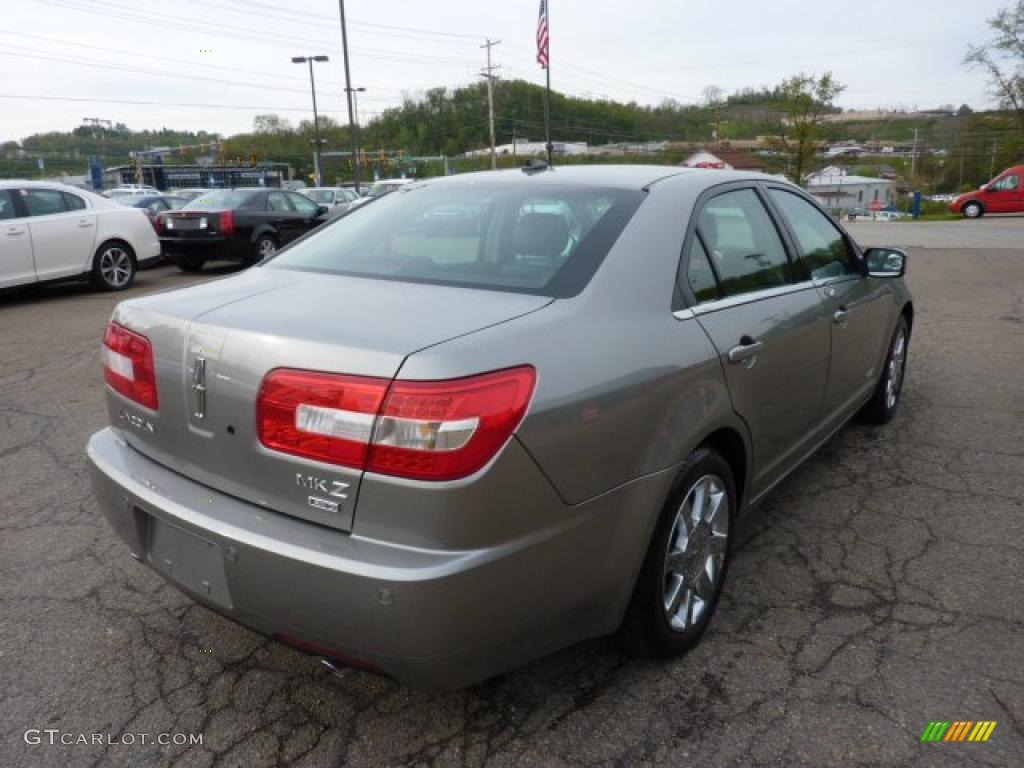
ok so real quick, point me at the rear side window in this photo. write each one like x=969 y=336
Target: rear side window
x=541 y=239
x=699 y=274
x=743 y=245
x=278 y=202
x=43 y=202
x=822 y=246
x=7 y=210
x=73 y=202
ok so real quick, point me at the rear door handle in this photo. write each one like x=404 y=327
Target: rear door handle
x=745 y=350
x=84 y=223
x=841 y=316
x=15 y=231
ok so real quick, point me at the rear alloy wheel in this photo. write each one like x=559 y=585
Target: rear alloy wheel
x=114 y=267
x=266 y=247
x=882 y=405
x=190 y=263
x=973 y=210
x=683 y=573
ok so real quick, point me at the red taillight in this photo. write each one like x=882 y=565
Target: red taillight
x=425 y=430
x=320 y=416
x=226 y=226
x=158 y=222
x=128 y=365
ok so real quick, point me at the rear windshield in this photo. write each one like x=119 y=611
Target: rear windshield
x=546 y=240
x=221 y=199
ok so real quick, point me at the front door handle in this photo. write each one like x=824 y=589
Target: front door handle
x=15 y=231
x=841 y=316
x=84 y=223
x=745 y=350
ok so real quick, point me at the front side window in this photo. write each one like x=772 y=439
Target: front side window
x=322 y=196
x=1008 y=183
x=43 y=202
x=822 y=246
x=546 y=240
x=304 y=205
x=743 y=244
x=7 y=210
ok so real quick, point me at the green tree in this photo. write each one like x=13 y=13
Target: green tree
x=1002 y=58
x=805 y=100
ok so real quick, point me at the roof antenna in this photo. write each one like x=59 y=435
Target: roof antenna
x=534 y=165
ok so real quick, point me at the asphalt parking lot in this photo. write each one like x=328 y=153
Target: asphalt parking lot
x=878 y=589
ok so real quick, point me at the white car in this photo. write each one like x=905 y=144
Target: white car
x=379 y=189
x=330 y=196
x=56 y=232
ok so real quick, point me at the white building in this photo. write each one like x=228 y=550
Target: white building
x=532 y=148
x=837 y=190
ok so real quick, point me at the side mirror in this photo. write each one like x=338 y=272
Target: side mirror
x=886 y=262
x=321 y=210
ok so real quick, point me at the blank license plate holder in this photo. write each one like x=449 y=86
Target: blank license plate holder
x=190 y=561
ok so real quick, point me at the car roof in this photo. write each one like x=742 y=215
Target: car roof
x=635 y=177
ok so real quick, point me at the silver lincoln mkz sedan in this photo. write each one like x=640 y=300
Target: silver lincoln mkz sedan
x=488 y=416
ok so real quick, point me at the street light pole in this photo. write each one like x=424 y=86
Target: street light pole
x=353 y=92
x=348 y=95
x=316 y=120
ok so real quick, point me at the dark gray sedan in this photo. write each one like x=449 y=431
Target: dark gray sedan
x=492 y=415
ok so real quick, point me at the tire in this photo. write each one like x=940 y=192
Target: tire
x=973 y=210
x=190 y=263
x=886 y=398
x=113 y=266
x=266 y=246
x=668 y=612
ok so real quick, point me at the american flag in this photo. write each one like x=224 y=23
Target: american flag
x=542 y=35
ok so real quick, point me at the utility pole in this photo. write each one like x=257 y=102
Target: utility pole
x=992 y=161
x=316 y=121
x=100 y=124
x=913 y=156
x=488 y=73
x=348 y=96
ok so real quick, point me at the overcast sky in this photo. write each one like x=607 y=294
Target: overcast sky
x=214 y=64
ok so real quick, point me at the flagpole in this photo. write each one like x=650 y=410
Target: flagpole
x=547 y=91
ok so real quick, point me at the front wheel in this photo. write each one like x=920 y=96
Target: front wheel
x=113 y=267
x=882 y=406
x=973 y=210
x=684 y=570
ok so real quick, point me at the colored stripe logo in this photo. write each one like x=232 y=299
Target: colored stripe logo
x=958 y=730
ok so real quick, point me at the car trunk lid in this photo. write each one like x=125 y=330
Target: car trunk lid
x=213 y=345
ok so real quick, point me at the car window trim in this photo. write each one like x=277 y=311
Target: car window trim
x=729 y=302
x=682 y=296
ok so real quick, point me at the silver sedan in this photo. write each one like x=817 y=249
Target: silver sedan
x=492 y=415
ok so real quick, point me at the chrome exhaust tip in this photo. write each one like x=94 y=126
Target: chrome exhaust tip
x=337 y=668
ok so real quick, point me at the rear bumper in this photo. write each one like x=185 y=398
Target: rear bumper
x=432 y=618
x=216 y=247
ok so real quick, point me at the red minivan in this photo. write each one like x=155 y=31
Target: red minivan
x=1004 y=194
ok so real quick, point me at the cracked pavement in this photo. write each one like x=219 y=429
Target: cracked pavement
x=877 y=589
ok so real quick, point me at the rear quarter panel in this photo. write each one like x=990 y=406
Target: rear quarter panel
x=624 y=389
x=130 y=225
